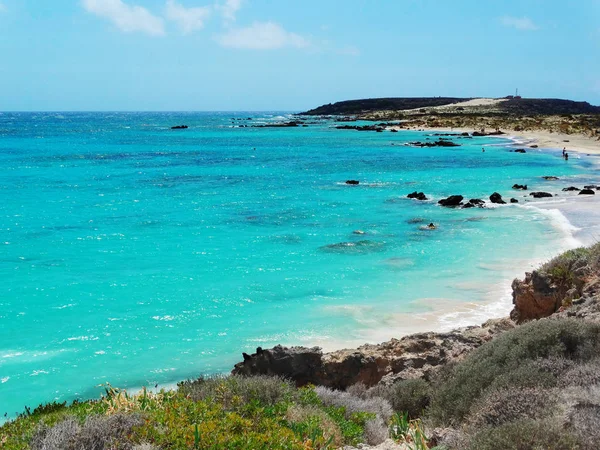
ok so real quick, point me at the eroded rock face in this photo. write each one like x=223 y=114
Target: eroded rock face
x=412 y=356
x=534 y=297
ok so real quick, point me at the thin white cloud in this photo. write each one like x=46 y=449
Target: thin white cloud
x=188 y=19
x=520 y=23
x=127 y=18
x=2 y=7
x=229 y=9
x=349 y=50
x=262 y=36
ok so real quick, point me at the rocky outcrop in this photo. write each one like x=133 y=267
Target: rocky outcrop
x=417 y=195
x=474 y=202
x=586 y=192
x=534 y=297
x=439 y=143
x=540 y=194
x=497 y=198
x=452 y=201
x=360 y=127
x=413 y=356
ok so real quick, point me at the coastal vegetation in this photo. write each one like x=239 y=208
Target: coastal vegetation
x=532 y=386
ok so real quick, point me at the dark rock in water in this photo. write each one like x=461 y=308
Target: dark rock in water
x=293 y=123
x=417 y=195
x=439 y=143
x=520 y=150
x=352 y=182
x=453 y=200
x=179 y=127
x=522 y=187
x=586 y=192
x=464 y=134
x=415 y=220
x=497 y=198
x=592 y=187
x=540 y=194
x=571 y=188
x=360 y=128
x=393 y=130
x=551 y=178
x=491 y=133
x=533 y=146
x=514 y=200
x=475 y=202
x=359 y=247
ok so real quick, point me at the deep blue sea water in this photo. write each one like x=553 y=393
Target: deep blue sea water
x=134 y=254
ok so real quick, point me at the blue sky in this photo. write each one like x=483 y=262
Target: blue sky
x=290 y=55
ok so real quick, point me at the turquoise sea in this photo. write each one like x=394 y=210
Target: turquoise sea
x=134 y=254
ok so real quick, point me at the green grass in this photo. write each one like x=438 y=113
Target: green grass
x=228 y=412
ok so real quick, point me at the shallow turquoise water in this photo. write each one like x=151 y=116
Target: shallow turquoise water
x=135 y=254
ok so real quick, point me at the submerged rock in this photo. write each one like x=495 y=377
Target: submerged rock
x=514 y=200
x=550 y=178
x=353 y=182
x=522 y=187
x=179 y=127
x=571 y=188
x=364 y=246
x=453 y=200
x=497 y=198
x=540 y=194
x=520 y=150
x=417 y=195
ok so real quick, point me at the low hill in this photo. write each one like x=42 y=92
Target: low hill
x=378 y=104
x=508 y=105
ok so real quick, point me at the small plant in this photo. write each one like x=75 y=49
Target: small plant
x=408 y=431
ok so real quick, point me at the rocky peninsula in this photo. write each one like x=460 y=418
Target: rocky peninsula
x=543 y=122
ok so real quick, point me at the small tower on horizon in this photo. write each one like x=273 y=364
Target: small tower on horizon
x=517 y=93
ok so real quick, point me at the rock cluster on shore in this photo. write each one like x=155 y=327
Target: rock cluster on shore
x=567 y=286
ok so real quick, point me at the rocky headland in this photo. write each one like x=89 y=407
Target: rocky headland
x=545 y=122
x=568 y=286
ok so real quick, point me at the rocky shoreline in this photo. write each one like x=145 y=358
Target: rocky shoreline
x=539 y=295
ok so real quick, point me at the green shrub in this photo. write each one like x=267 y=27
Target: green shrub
x=508 y=405
x=411 y=396
x=97 y=432
x=524 y=435
x=238 y=390
x=512 y=360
